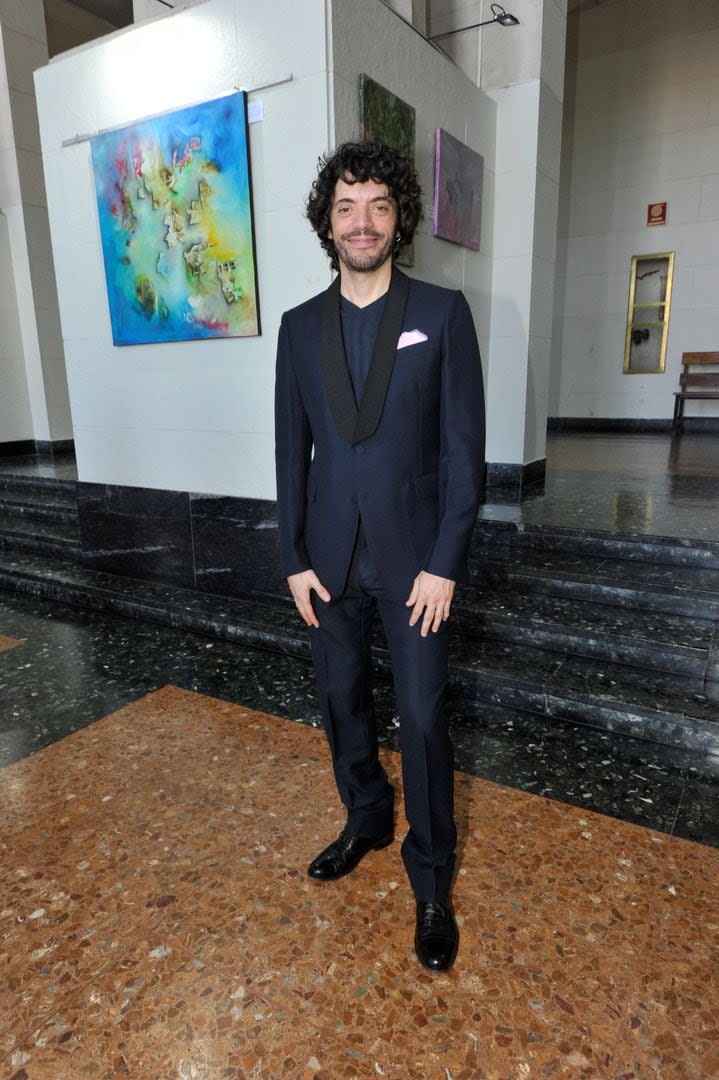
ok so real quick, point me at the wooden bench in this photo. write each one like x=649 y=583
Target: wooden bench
x=699 y=386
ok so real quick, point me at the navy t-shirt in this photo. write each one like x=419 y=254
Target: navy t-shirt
x=359 y=331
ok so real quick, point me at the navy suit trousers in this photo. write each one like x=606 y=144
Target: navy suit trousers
x=341 y=655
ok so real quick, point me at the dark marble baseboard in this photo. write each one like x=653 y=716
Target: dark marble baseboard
x=629 y=425
x=56 y=448
x=43 y=448
x=509 y=478
x=213 y=543
x=17 y=448
x=235 y=546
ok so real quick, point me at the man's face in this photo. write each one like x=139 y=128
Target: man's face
x=363 y=223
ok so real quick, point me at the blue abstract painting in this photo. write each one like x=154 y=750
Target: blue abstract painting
x=175 y=204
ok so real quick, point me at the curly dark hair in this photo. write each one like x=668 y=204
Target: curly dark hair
x=356 y=162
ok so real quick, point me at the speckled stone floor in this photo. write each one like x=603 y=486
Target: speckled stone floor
x=157 y=922
x=639 y=483
x=8 y=642
x=73 y=667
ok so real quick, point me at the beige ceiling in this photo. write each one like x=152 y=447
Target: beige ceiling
x=117 y=12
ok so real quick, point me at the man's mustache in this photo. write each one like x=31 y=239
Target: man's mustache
x=362 y=232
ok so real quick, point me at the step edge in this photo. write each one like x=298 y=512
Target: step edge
x=13 y=535
x=690 y=654
x=9 y=481
x=474 y=674
x=13 y=504
x=617 y=705
x=543 y=623
x=535 y=573
x=601 y=535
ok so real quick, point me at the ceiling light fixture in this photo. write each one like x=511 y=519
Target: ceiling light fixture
x=499 y=15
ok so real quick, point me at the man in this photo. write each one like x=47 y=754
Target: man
x=380 y=460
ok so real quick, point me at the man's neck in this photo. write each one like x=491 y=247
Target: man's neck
x=363 y=288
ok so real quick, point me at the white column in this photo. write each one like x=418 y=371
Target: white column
x=522 y=68
x=36 y=323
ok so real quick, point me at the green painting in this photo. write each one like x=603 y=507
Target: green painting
x=386 y=117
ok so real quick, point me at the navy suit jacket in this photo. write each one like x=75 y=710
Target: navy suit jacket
x=409 y=459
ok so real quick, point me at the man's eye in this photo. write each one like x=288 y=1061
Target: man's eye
x=382 y=208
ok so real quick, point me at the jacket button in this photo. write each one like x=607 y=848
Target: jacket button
x=359 y=449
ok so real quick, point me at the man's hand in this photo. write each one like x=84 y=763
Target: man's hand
x=433 y=596
x=300 y=586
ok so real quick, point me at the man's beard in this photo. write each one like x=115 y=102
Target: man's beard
x=362 y=260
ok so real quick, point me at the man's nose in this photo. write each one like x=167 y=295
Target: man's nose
x=364 y=217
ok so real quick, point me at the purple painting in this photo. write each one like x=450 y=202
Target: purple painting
x=458 y=174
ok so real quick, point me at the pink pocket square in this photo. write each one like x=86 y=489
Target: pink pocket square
x=410 y=337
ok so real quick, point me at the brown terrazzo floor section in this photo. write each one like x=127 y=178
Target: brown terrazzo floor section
x=9 y=642
x=157 y=922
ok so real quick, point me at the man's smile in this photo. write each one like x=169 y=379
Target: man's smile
x=363 y=241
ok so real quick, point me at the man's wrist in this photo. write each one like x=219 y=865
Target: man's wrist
x=300 y=570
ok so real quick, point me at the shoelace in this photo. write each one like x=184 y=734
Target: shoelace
x=340 y=845
x=431 y=912
x=343 y=838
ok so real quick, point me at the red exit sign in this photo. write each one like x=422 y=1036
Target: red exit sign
x=657 y=213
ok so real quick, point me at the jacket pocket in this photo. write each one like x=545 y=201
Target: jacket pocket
x=426 y=485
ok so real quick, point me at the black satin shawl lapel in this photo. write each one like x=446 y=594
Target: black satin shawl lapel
x=338 y=382
x=353 y=424
x=385 y=350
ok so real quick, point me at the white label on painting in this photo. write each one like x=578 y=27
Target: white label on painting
x=255 y=112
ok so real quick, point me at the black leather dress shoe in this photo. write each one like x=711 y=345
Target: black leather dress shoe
x=436 y=936
x=344 y=854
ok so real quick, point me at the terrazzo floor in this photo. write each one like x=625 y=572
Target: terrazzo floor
x=158 y=922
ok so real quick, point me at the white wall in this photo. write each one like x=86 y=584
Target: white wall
x=641 y=126
x=370 y=39
x=23 y=48
x=15 y=415
x=194 y=415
